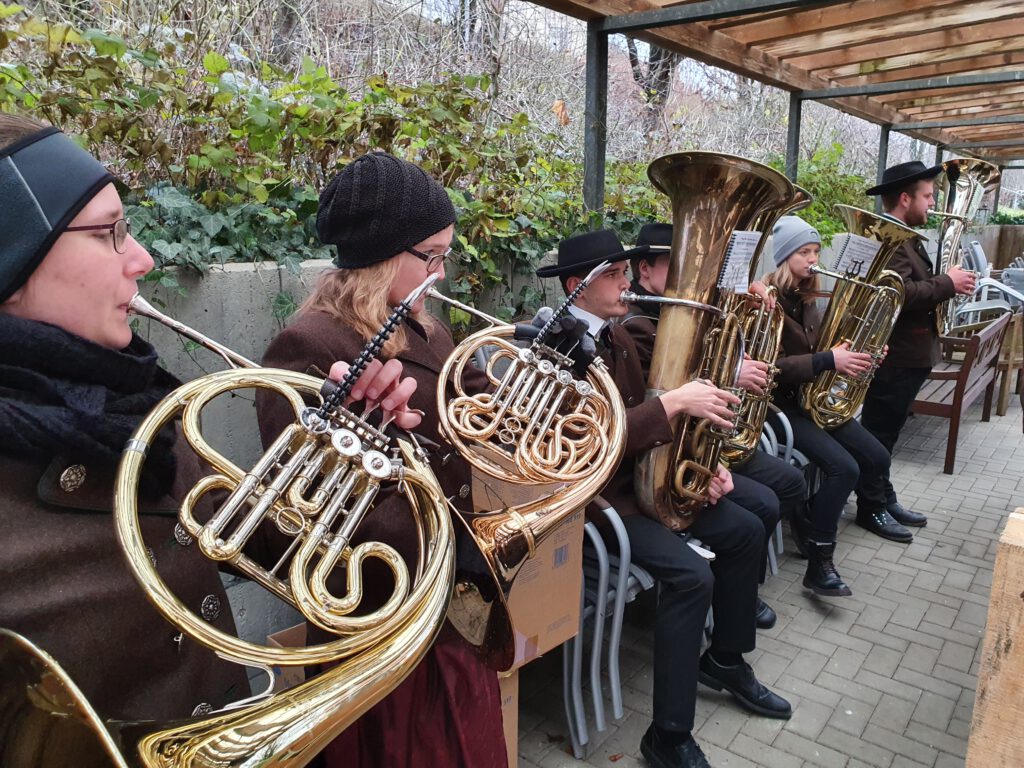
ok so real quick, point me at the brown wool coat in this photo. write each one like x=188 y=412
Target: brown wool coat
x=647 y=425
x=447 y=712
x=66 y=587
x=915 y=342
x=800 y=328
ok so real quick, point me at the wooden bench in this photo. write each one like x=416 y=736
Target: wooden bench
x=968 y=369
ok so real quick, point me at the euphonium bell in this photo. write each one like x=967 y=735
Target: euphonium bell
x=538 y=424
x=314 y=484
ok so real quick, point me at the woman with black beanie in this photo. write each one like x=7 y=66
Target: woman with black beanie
x=392 y=225
x=75 y=382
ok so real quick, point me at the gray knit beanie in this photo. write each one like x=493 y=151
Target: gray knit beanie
x=377 y=207
x=792 y=233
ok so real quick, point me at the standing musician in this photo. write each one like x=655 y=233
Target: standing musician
x=908 y=192
x=764 y=484
x=689 y=584
x=392 y=225
x=75 y=382
x=842 y=454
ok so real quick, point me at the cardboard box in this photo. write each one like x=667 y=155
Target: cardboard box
x=292 y=637
x=545 y=597
x=508 y=683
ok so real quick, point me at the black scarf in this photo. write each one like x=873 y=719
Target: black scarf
x=61 y=395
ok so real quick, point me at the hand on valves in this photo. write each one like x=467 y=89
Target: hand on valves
x=382 y=384
x=851 y=363
x=964 y=281
x=700 y=399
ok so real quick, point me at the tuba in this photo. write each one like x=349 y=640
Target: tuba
x=314 y=484
x=861 y=311
x=538 y=424
x=712 y=195
x=962 y=183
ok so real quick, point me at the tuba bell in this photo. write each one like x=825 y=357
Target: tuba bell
x=861 y=311
x=712 y=196
x=538 y=424
x=962 y=184
x=314 y=484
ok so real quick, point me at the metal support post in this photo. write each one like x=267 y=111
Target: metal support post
x=793 y=136
x=883 y=160
x=595 y=139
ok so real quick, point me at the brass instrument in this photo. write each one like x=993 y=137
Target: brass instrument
x=712 y=196
x=315 y=483
x=538 y=424
x=862 y=312
x=962 y=184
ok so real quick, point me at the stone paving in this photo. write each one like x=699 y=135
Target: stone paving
x=885 y=678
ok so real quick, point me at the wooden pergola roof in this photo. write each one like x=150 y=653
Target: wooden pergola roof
x=950 y=72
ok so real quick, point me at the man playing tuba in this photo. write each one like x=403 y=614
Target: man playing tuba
x=689 y=583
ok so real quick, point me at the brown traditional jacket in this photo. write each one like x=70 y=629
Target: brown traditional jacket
x=66 y=587
x=915 y=342
x=800 y=328
x=647 y=425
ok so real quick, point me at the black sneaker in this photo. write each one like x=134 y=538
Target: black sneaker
x=660 y=755
x=745 y=688
x=766 y=617
x=880 y=523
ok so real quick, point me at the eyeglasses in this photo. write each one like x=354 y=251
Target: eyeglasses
x=120 y=229
x=434 y=261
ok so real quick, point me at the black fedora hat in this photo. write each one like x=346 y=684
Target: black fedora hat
x=581 y=253
x=657 y=237
x=904 y=173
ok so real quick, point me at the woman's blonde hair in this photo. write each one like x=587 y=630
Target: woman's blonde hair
x=358 y=298
x=16 y=127
x=786 y=282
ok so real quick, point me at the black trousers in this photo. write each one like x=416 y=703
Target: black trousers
x=689 y=586
x=768 y=487
x=844 y=455
x=886 y=408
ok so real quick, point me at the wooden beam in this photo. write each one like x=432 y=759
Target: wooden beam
x=890 y=28
x=937 y=67
x=948 y=95
x=996 y=740
x=917 y=112
x=983 y=111
x=924 y=42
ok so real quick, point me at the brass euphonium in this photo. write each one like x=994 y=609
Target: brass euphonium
x=314 y=484
x=712 y=196
x=538 y=424
x=962 y=184
x=861 y=312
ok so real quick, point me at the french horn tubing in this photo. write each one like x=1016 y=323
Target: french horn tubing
x=315 y=484
x=538 y=424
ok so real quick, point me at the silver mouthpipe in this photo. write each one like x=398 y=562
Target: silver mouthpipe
x=436 y=294
x=139 y=306
x=635 y=298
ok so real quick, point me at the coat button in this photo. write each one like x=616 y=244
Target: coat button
x=71 y=479
x=464 y=491
x=202 y=709
x=152 y=555
x=630 y=400
x=181 y=536
x=625 y=354
x=447 y=458
x=211 y=608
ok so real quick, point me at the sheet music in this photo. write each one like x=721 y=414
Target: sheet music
x=735 y=275
x=856 y=254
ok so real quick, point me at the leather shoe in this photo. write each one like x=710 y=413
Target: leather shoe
x=880 y=523
x=765 y=615
x=905 y=516
x=661 y=755
x=745 y=688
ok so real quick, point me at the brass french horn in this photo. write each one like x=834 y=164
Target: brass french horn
x=314 y=484
x=538 y=424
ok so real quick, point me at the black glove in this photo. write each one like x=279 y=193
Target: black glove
x=568 y=335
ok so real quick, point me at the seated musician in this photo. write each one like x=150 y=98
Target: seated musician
x=75 y=383
x=843 y=454
x=392 y=225
x=764 y=484
x=689 y=583
x=907 y=192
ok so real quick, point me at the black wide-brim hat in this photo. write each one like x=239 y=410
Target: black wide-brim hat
x=904 y=173
x=657 y=237
x=581 y=253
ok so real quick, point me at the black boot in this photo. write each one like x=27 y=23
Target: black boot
x=822 y=578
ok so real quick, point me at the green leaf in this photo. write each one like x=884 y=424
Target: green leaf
x=215 y=64
x=104 y=44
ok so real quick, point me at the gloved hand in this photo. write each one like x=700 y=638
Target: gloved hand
x=568 y=335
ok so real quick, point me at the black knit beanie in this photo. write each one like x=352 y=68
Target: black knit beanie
x=377 y=207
